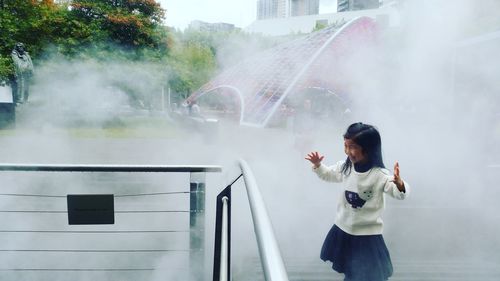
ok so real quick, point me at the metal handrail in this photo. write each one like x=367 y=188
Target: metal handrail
x=108 y=168
x=270 y=255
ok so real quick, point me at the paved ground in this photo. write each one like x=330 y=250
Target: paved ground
x=411 y=270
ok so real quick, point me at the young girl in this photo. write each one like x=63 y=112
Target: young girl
x=355 y=244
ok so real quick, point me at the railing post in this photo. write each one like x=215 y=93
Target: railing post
x=222 y=247
x=197 y=226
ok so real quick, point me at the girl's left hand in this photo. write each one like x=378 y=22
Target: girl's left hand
x=397 y=179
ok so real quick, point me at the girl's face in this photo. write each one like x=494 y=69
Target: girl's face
x=354 y=152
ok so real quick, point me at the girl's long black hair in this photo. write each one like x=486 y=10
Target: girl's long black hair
x=368 y=138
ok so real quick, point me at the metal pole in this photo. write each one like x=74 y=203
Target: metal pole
x=224 y=248
x=163 y=99
x=197 y=227
x=169 y=100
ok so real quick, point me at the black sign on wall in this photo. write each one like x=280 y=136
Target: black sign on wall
x=91 y=209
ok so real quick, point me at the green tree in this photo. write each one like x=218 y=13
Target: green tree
x=192 y=65
x=132 y=23
x=24 y=21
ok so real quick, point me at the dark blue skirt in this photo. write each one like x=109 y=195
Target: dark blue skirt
x=359 y=257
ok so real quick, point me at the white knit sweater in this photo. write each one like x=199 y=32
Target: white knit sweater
x=360 y=206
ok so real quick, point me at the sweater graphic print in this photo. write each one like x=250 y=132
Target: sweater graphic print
x=354 y=199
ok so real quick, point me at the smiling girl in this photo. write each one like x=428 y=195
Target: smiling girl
x=355 y=244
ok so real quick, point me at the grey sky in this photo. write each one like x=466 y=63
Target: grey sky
x=239 y=12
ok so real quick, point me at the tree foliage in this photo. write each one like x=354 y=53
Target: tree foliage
x=192 y=65
x=82 y=29
x=125 y=22
x=30 y=22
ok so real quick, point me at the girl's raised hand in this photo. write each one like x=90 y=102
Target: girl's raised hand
x=397 y=179
x=315 y=158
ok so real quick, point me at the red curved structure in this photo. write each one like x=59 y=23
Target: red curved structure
x=319 y=59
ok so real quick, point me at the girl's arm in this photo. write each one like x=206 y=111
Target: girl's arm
x=315 y=158
x=332 y=173
x=397 y=179
x=395 y=186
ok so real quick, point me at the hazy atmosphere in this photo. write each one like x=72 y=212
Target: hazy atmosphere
x=242 y=12
x=429 y=85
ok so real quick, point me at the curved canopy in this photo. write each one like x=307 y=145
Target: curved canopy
x=262 y=81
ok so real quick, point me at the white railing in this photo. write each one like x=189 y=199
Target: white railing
x=270 y=255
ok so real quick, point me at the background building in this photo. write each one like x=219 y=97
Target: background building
x=304 y=7
x=272 y=9
x=211 y=27
x=283 y=8
x=386 y=16
x=354 y=5
x=266 y=9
